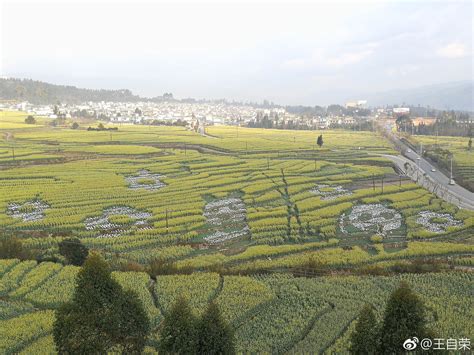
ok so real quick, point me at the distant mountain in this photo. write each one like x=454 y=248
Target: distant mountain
x=38 y=92
x=452 y=96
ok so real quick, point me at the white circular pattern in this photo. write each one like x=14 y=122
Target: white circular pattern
x=103 y=222
x=425 y=218
x=135 y=183
x=375 y=218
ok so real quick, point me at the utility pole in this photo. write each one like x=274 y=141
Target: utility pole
x=166 y=217
x=373 y=181
x=383 y=177
x=451 y=180
x=417 y=167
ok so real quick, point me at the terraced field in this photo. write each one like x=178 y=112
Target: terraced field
x=238 y=198
x=237 y=201
x=273 y=313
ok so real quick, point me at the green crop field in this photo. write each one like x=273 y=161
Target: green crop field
x=236 y=201
x=143 y=192
x=273 y=313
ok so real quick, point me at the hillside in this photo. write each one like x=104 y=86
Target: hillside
x=38 y=92
x=270 y=314
x=452 y=96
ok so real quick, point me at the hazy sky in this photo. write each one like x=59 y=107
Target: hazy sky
x=287 y=52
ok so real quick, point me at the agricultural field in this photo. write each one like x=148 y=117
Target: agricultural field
x=234 y=202
x=463 y=158
x=270 y=313
x=237 y=198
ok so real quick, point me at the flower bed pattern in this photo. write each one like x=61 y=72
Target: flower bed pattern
x=427 y=220
x=28 y=211
x=136 y=181
x=375 y=218
x=328 y=192
x=227 y=217
x=111 y=229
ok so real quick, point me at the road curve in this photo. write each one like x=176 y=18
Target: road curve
x=427 y=174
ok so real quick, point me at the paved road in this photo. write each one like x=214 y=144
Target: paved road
x=422 y=171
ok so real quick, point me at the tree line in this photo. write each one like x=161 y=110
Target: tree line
x=448 y=123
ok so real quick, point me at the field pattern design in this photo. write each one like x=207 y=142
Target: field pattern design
x=241 y=200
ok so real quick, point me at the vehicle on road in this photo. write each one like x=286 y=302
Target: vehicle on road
x=433 y=170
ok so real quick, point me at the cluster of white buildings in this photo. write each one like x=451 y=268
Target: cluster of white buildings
x=146 y=112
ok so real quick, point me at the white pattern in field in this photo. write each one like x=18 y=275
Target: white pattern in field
x=28 y=211
x=103 y=223
x=371 y=217
x=135 y=183
x=425 y=218
x=227 y=216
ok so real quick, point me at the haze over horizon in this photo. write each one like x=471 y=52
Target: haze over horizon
x=291 y=54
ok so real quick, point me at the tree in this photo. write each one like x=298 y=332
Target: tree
x=75 y=125
x=74 y=251
x=364 y=337
x=12 y=248
x=404 y=318
x=178 y=335
x=469 y=144
x=101 y=317
x=100 y=126
x=215 y=336
x=30 y=120
x=403 y=121
x=319 y=141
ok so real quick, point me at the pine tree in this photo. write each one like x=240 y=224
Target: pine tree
x=215 y=336
x=364 y=339
x=101 y=317
x=73 y=250
x=404 y=318
x=178 y=335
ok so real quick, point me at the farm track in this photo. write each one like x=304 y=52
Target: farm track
x=341 y=333
x=156 y=303
x=218 y=289
x=39 y=285
x=23 y=345
x=330 y=307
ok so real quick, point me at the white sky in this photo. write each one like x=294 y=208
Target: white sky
x=287 y=52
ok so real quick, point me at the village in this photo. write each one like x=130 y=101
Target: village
x=354 y=114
